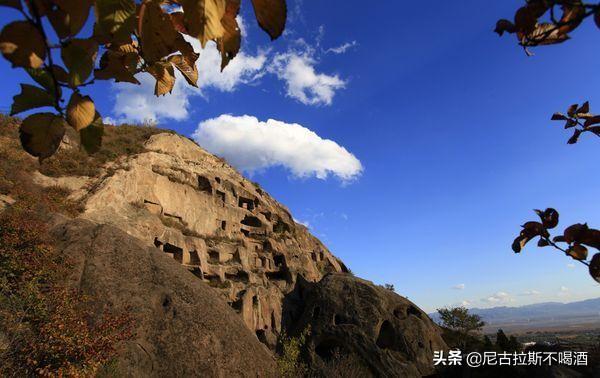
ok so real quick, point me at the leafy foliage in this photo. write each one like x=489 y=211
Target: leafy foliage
x=459 y=319
x=289 y=360
x=577 y=238
x=538 y=23
x=129 y=36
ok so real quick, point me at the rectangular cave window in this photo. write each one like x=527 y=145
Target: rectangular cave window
x=246 y=203
x=194 y=258
x=279 y=260
x=218 y=179
x=175 y=251
x=221 y=195
x=214 y=257
x=251 y=221
x=223 y=225
x=204 y=185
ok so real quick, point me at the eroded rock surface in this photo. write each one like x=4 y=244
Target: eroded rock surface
x=348 y=316
x=225 y=229
x=183 y=328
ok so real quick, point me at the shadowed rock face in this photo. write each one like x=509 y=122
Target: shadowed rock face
x=206 y=216
x=183 y=328
x=381 y=330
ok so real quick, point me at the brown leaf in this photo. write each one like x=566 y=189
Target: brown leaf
x=544 y=34
x=69 y=16
x=164 y=73
x=585 y=108
x=271 y=16
x=80 y=111
x=60 y=74
x=115 y=20
x=543 y=243
x=575 y=232
x=116 y=65
x=558 y=117
x=158 y=35
x=577 y=252
x=595 y=267
x=22 y=44
x=594 y=129
x=79 y=56
x=572 y=109
x=575 y=137
x=592 y=121
x=202 y=19
x=31 y=97
x=559 y=239
x=41 y=134
x=229 y=44
x=504 y=26
x=549 y=217
x=573 y=15
x=190 y=73
x=178 y=22
x=91 y=136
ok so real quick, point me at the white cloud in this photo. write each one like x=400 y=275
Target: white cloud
x=564 y=292
x=499 y=297
x=303 y=83
x=571 y=266
x=465 y=303
x=459 y=286
x=304 y=223
x=341 y=49
x=137 y=103
x=530 y=293
x=251 y=145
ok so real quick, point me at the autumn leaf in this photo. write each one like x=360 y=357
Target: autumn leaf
x=22 y=44
x=164 y=73
x=158 y=36
x=91 y=136
x=202 y=19
x=43 y=78
x=80 y=111
x=549 y=217
x=116 y=65
x=575 y=137
x=577 y=252
x=504 y=26
x=31 y=97
x=60 y=74
x=79 y=56
x=530 y=230
x=271 y=16
x=190 y=73
x=229 y=44
x=558 y=117
x=573 y=15
x=69 y=16
x=41 y=134
x=115 y=19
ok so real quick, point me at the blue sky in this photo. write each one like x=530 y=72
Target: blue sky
x=442 y=143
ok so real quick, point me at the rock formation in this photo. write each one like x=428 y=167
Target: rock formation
x=182 y=327
x=205 y=215
x=194 y=210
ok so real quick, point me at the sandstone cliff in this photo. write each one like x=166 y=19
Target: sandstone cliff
x=196 y=215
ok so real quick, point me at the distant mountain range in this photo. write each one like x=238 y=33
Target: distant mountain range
x=539 y=315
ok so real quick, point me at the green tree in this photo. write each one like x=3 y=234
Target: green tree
x=461 y=321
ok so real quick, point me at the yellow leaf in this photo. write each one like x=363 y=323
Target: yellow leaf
x=271 y=16
x=79 y=56
x=81 y=111
x=41 y=134
x=229 y=44
x=190 y=73
x=164 y=74
x=31 y=97
x=202 y=19
x=23 y=45
x=118 y=65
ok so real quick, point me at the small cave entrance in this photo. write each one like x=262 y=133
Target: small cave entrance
x=198 y=273
x=251 y=221
x=221 y=196
x=175 y=251
x=157 y=243
x=412 y=310
x=214 y=257
x=224 y=225
x=279 y=260
x=204 y=185
x=328 y=348
x=194 y=258
x=387 y=336
x=280 y=227
x=246 y=203
x=261 y=335
x=239 y=276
